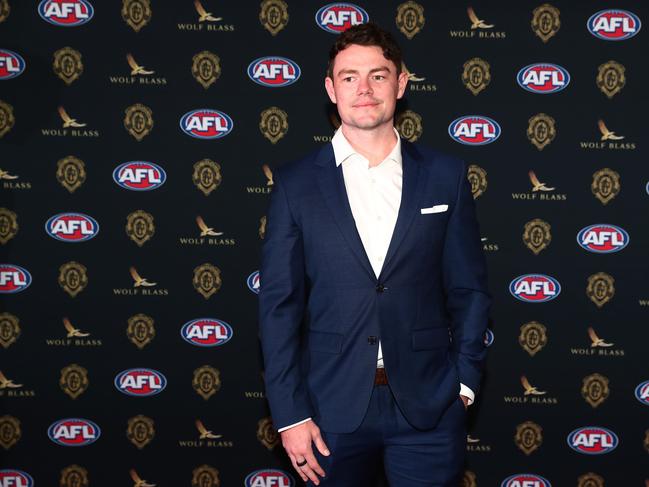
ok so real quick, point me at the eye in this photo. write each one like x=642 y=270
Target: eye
x=348 y=79
x=379 y=77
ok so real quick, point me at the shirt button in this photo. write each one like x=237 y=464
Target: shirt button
x=380 y=288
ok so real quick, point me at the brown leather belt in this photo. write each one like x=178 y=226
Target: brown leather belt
x=381 y=378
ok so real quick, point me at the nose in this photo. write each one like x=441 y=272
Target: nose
x=364 y=87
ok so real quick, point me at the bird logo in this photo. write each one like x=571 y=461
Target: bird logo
x=72 y=331
x=7 y=383
x=6 y=175
x=138 y=481
x=476 y=23
x=205 y=433
x=203 y=14
x=135 y=67
x=536 y=185
x=67 y=120
x=411 y=76
x=606 y=133
x=268 y=173
x=139 y=281
x=470 y=439
x=597 y=341
x=530 y=390
x=205 y=230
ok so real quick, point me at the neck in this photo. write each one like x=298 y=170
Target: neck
x=374 y=144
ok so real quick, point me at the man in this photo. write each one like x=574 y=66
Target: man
x=373 y=302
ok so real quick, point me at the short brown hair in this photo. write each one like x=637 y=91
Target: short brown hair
x=368 y=34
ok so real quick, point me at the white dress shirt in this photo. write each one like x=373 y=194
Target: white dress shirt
x=374 y=195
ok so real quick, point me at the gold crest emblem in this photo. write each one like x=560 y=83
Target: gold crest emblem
x=5 y=9
x=410 y=18
x=610 y=78
x=469 y=479
x=7 y=119
x=138 y=120
x=478 y=179
x=74 y=380
x=136 y=13
x=541 y=130
x=140 y=431
x=205 y=476
x=206 y=68
x=207 y=279
x=533 y=337
x=536 y=235
x=476 y=75
x=600 y=288
x=68 y=64
x=273 y=15
x=207 y=175
x=74 y=476
x=9 y=329
x=409 y=125
x=594 y=389
x=71 y=173
x=8 y=225
x=262 y=227
x=545 y=21
x=206 y=381
x=590 y=480
x=528 y=437
x=267 y=434
x=273 y=124
x=73 y=278
x=140 y=330
x=9 y=431
x=140 y=227
x=605 y=185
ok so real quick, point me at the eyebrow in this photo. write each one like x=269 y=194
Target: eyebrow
x=354 y=71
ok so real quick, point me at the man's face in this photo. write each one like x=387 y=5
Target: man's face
x=365 y=87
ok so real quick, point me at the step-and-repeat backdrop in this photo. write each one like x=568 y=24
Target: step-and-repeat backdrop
x=138 y=143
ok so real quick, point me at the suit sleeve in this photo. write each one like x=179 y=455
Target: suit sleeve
x=282 y=299
x=465 y=283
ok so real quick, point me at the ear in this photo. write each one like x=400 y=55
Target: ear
x=402 y=82
x=329 y=86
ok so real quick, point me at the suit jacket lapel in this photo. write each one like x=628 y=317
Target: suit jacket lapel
x=411 y=189
x=332 y=185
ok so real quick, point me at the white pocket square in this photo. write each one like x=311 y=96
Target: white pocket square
x=434 y=209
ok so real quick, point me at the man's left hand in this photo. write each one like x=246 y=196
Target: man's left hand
x=465 y=400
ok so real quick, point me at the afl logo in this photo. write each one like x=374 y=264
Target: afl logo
x=338 y=17
x=525 y=480
x=535 y=288
x=642 y=393
x=602 y=238
x=70 y=13
x=593 y=440
x=73 y=432
x=543 y=78
x=140 y=382
x=614 y=25
x=488 y=338
x=139 y=176
x=269 y=478
x=13 y=279
x=15 y=478
x=72 y=227
x=206 y=123
x=11 y=64
x=474 y=130
x=206 y=332
x=274 y=71
x=254 y=283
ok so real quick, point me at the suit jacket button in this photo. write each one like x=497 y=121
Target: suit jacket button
x=371 y=340
x=380 y=288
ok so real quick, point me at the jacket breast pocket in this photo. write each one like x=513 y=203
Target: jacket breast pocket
x=430 y=338
x=327 y=342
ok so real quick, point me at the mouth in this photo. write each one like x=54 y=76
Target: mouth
x=365 y=104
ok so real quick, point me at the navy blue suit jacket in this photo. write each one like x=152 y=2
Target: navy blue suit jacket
x=321 y=304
